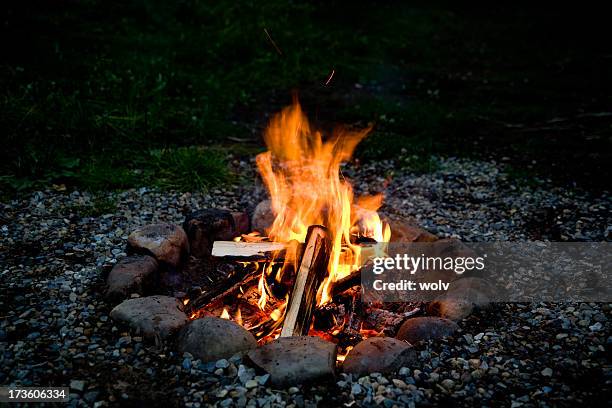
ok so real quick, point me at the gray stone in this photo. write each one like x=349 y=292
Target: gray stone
x=479 y=284
x=133 y=274
x=211 y=338
x=166 y=242
x=203 y=227
x=405 y=232
x=151 y=315
x=78 y=385
x=477 y=298
x=451 y=247
x=379 y=354
x=295 y=360
x=263 y=217
x=222 y=363
x=463 y=295
x=426 y=328
x=450 y=307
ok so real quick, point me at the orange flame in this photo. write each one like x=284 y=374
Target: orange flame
x=302 y=173
x=341 y=357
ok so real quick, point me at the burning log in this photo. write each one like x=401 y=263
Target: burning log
x=311 y=273
x=230 y=285
x=249 y=251
x=346 y=283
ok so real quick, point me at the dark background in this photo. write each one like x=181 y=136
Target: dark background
x=113 y=94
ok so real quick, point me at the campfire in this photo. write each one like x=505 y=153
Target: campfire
x=295 y=277
x=285 y=285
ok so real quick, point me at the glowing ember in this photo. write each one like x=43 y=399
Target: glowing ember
x=302 y=173
x=342 y=357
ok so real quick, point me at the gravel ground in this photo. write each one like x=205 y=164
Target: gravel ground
x=55 y=328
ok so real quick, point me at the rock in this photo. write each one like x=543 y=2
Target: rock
x=150 y=315
x=479 y=284
x=450 y=307
x=263 y=217
x=477 y=298
x=462 y=297
x=222 y=363
x=133 y=274
x=203 y=227
x=405 y=232
x=166 y=242
x=295 y=360
x=547 y=372
x=379 y=354
x=426 y=328
x=78 y=385
x=211 y=338
x=262 y=379
x=450 y=247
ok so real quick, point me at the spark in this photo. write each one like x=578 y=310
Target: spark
x=272 y=42
x=330 y=77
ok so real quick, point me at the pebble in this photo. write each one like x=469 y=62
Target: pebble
x=223 y=363
x=78 y=385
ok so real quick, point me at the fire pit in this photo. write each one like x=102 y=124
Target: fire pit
x=283 y=286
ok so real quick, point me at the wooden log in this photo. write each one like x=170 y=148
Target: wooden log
x=249 y=251
x=368 y=251
x=231 y=282
x=346 y=283
x=311 y=272
x=232 y=288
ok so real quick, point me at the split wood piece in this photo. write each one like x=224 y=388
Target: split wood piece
x=249 y=251
x=312 y=271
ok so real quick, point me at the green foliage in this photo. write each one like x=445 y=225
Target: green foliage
x=89 y=88
x=189 y=169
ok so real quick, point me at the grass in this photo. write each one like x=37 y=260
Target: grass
x=113 y=94
x=183 y=168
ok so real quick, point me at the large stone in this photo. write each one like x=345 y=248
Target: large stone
x=203 y=227
x=133 y=274
x=480 y=285
x=166 y=242
x=477 y=298
x=296 y=360
x=212 y=338
x=379 y=354
x=450 y=307
x=426 y=328
x=263 y=217
x=406 y=232
x=151 y=316
x=463 y=295
x=450 y=247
